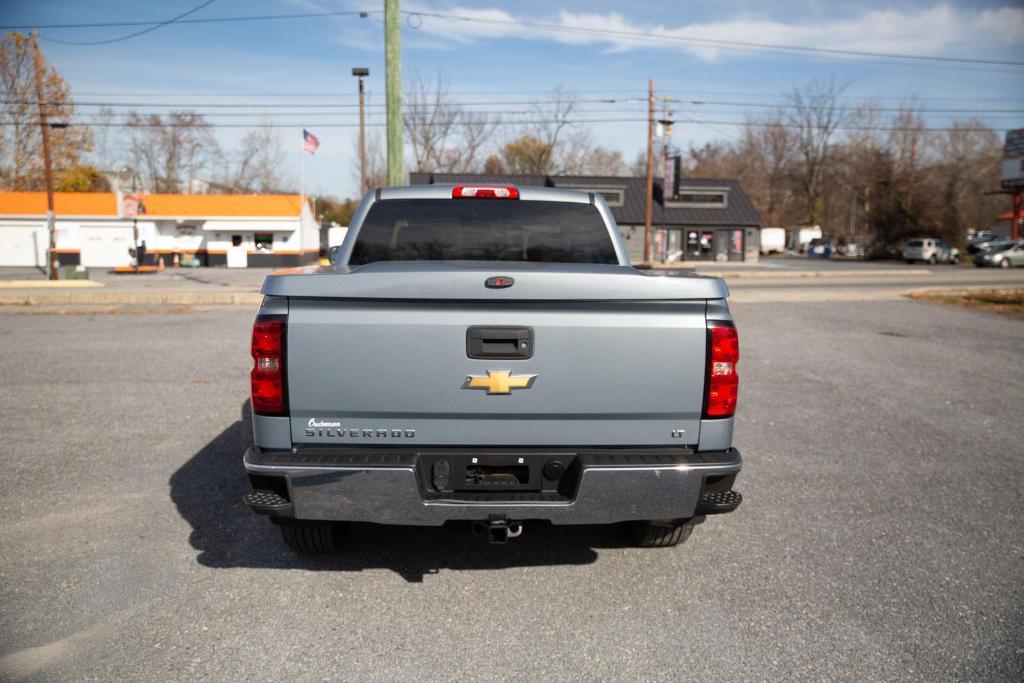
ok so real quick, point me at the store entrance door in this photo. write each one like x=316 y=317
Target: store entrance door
x=728 y=245
x=699 y=244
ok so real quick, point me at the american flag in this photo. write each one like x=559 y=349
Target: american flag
x=309 y=142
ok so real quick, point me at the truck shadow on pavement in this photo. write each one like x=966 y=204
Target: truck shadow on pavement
x=207 y=491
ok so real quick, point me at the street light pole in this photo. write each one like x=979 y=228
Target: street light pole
x=44 y=130
x=649 y=206
x=361 y=73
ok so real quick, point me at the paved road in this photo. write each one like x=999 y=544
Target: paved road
x=881 y=535
x=866 y=287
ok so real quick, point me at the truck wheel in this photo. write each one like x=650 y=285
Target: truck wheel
x=313 y=538
x=654 y=534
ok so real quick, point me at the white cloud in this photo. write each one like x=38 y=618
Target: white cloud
x=937 y=30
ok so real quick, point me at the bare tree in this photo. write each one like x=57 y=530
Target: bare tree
x=814 y=117
x=526 y=155
x=602 y=161
x=561 y=143
x=907 y=139
x=170 y=152
x=967 y=167
x=259 y=166
x=854 y=169
x=768 y=149
x=21 y=157
x=376 y=160
x=713 y=160
x=445 y=137
x=106 y=148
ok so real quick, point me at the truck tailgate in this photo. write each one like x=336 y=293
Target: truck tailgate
x=395 y=372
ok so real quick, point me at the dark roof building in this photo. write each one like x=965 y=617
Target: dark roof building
x=707 y=219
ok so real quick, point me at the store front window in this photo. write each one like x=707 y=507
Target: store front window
x=699 y=244
x=264 y=241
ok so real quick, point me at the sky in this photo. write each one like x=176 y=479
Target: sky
x=497 y=59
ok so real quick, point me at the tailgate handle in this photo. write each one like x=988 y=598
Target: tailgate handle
x=499 y=342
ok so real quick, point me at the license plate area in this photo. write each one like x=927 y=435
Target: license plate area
x=490 y=471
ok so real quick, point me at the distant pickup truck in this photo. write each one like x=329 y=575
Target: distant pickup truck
x=488 y=355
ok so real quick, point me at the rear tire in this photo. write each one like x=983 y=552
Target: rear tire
x=933 y=260
x=313 y=538
x=955 y=260
x=653 y=534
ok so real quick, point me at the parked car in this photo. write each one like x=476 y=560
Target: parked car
x=851 y=248
x=930 y=250
x=821 y=248
x=882 y=251
x=995 y=244
x=797 y=239
x=984 y=241
x=1005 y=255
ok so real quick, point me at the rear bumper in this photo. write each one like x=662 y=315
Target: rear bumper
x=384 y=486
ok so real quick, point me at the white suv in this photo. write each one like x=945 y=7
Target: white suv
x=931 y=250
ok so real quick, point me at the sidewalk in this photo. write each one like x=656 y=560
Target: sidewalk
x=230 y=287
x=177 y=286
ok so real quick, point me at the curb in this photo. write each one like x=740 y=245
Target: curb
x=50 y=284
x=132 y=298
x=799 y=274
x=957 y=289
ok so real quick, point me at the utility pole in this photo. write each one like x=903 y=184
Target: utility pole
x=44 y=130
x=913 y=168
x=649 y=208
x=393 y=84
x=1015 y=225
x=361 y=73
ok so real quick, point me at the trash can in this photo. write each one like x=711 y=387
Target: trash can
x=75 y=273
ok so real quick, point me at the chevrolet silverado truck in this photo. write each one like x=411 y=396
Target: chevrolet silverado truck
x=487 y=355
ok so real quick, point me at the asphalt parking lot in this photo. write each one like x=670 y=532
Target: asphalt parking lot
x=880 y=536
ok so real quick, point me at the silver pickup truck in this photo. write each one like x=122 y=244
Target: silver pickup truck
x=488 y=355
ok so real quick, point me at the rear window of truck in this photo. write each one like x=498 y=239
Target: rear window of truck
x=482 y=230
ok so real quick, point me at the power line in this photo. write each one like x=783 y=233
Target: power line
x=707 y=122
x=168 y=124
x=644 y=35
x=716 y=41
x=846 y=108
x=864 y=107
x=324 y=105
x=711 y=127
x=619 y=92
x=136 y=34
x=202 y=20
x=313 y=106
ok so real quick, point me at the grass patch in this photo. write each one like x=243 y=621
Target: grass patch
x=1004 y=300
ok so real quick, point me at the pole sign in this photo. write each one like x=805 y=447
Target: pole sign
x=1013 y=160
x=132 y=206
x=670 y=175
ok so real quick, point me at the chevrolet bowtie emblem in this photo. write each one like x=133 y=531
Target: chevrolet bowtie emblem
x=499 y=382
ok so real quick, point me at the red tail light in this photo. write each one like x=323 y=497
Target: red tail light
x=722 y=381
x=480 y=192
x=269 y=392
